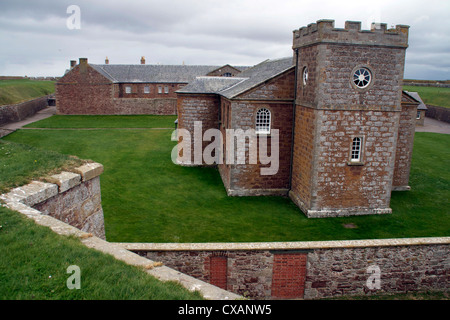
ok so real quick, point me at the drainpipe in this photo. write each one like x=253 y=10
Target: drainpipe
x=293 y=118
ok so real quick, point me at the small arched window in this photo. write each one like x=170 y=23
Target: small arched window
x=356 y=150
x=262 y=121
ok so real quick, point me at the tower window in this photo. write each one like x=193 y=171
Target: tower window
x=356 y=150
x=362 y=78
x=263 y=121
x=305 y=76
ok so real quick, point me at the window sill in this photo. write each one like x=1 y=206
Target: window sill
x=355 y=163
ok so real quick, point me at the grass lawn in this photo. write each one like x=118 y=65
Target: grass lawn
x=18 y=90
x=147 y=198
x=75 y=121
x=432 y=95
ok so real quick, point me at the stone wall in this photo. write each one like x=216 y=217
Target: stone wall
x=20 y=111
x=72 y=197
x=438 y=113
x=311 y=270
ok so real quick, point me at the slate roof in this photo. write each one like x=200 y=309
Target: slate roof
x=248 y=79
x=125 y=73
x=416 y=96
x=210 y=84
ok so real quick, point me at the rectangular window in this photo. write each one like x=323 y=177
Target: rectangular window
x=159 y=89
x=166 y=89
x=127 y=89
x=146 y=89
x=418 y=115
x=356 y=150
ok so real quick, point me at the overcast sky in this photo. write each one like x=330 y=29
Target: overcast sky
x=36 y=41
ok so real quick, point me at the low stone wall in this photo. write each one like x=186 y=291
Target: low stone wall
x=438 y=113
x=311 y=270
x=20 y=111
x=72 y=197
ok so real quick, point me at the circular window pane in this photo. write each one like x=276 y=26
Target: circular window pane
x=305 y=75
x=362 y=77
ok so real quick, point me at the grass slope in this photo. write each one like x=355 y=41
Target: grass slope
x=147 y=198
x=34 y=265
x=432 y=95
x=18 y=90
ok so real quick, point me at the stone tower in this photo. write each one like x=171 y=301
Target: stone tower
x=347 y=112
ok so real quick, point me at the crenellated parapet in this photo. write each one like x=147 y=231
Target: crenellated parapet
x=323 y=31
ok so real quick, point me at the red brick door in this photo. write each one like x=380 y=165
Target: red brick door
x=289 y=273
x=218 y=271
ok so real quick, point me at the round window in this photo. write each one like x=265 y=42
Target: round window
x=362 y=77
x=305 y=75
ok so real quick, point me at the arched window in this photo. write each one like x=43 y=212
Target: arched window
x=262 y=121
x=356 y=150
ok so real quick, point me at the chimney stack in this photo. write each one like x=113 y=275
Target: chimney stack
x=142 y=60
x=73 y=63
x=106 y=60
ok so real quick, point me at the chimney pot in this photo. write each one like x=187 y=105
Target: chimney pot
x=83 y=60
x=106 y=60
x=73 y=63
x=142 y=60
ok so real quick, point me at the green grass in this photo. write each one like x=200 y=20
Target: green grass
x=18 y=90
x=147 y=198
x=21 y=163
x=34 y=262
x=432 y=95
x=130 y=121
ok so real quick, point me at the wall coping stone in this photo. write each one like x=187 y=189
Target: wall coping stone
x=21 y=199
x=298 y=245
x=65 y=180
x=89 y=171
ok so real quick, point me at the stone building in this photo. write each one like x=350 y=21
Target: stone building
x=127 y=89
x=345 y=126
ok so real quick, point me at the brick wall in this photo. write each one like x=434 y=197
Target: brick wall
x=289 y=275
x=405 y=144
x=248 y=176
x=198 y=107
x=339 y=184
x=302 y=165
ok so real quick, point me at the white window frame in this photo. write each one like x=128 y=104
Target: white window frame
x=166 y=89
x=146 y=89
x=356 y=149
x=362 y=77
x=160 y=89
x=128 y=89
x=263 y=121
x=418 y=114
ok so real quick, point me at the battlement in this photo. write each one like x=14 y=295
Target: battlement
x=323 y=31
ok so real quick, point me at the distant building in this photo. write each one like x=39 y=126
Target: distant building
x=421 y=108
x=127 y=89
